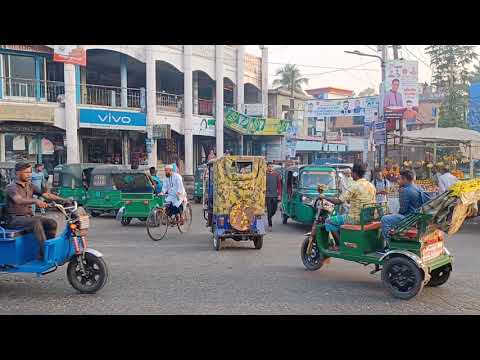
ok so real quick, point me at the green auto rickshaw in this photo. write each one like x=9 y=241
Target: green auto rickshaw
x=103 y=197
x=299 y=190
x=71 y=181
x=138 y=195
x=199 y=176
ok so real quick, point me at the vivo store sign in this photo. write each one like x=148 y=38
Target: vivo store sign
x=106 y=119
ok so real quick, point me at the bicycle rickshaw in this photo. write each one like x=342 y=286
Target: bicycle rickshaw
x=417 y=255
x=102 y=194
x=236 y=199
x=138 y=195
x=71 y=181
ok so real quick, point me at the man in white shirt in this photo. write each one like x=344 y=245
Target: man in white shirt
x=445 y=180
x=175 y=192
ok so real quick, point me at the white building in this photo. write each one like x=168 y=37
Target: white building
x=126 y=94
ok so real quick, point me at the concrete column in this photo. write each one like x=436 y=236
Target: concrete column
x=151 y=103
x=265 y=80
x=188 y=87
x=71 y=122
x=83 y=82
x=241 y=145
x=195 y=92
x=2 y=147
x=123 y=80
x=219 y=99
x=240 y=92
x=125 y=148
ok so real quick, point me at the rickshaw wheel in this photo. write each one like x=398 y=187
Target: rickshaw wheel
x=315 y=260
x=440 y=276
x=97 y=274
x=142 y=219
x=258 y=242
x=126 y=221
x=402 y=277
x=187 y=219
x=217 y=242
x=157 y=224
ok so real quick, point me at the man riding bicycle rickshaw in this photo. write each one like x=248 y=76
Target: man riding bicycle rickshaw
x=175 y=195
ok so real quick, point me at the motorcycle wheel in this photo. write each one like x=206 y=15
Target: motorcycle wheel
x=315 y=260
x=96 y=277
x=94 y=213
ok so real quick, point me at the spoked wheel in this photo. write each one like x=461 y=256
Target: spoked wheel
x=126 y=221
x=95 y=277
x=402 y=277
x=157 y=224
x=315 y=260
x=186 y=224
x=440 y=276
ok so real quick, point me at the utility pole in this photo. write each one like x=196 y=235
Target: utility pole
x=381 y=98
x=395 y=57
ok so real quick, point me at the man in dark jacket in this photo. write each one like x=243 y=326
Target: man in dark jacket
x=273 y=193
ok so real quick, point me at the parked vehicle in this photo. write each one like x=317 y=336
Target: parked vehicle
x=87 y=271
x=299 y=191
x=198 y=190
x=71 y=181
x=236 y=199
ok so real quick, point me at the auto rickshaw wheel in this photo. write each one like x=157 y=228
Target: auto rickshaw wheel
x=126 y=221
x=284 y=218
x=440 y=276
x=142 y=219
x=315 y=260
x=96 y=274
x=94 y=213
x=402 y=277
x=258 y=242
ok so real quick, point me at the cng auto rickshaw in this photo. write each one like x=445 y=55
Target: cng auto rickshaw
x=299 y=191
x=236 y=199
x=198 y=190
x=71 y=181
x=416 y=255
x=102 y=194
x=138 y=195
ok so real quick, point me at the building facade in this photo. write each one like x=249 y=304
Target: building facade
x=154 y=104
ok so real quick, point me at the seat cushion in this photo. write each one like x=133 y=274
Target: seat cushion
x=370 y=226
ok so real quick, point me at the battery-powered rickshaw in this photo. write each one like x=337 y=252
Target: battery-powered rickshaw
x=87 y=271
x=299 y=190
x=103 y=197
x=138 y=195
x=71 y=181
x=416 y=255
x=236 y=199
x=198 y=190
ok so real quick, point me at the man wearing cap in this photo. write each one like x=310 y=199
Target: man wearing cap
x=19 y=207
x=175 y=192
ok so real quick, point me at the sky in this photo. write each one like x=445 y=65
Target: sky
x=325 y=65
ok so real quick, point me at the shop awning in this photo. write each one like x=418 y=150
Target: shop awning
x=451 y=135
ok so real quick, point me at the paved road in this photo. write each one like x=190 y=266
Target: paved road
x=184 y=275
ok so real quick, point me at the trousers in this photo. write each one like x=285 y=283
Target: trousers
x=272 y=203
x=388 y=222
x=43 y=228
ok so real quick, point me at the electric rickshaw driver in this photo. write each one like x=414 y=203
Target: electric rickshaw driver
x=19 y=207
x=360 y=193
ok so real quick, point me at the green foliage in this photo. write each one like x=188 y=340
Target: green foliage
x=290 y=78
x=452 y=77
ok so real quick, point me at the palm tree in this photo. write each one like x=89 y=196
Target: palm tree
x=292 y=80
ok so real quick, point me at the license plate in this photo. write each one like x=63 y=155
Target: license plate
x=432 y=251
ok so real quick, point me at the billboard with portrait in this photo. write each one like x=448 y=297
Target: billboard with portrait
x=362 y=109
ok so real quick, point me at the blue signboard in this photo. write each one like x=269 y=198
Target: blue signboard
x=121 y=120
x=474 y=107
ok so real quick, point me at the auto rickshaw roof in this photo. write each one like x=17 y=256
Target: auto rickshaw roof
x=311 y=167
x=74 y=168
x=108 y=169
x=129 y=171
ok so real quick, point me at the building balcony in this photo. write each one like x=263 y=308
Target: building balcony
x=169 y=103
x=111 y=96
x=30 y=90
x=205 y=107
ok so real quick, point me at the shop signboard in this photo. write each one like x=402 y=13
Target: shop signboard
x=108 y=119
x=30 y=113
x=253 y=109
x=29 y=48
x=474 y=107
x=401 y=89
x=70 y=54
x=362 y=109
x=249 y=125
x=203 y=126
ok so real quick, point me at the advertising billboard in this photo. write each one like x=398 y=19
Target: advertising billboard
x=70 y=54
x=362 y=109
x=474 y=107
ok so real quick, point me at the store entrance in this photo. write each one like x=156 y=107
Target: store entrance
x=105 y=151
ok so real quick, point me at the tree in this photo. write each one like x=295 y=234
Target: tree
x=367 y=92
x=292 y=80
x=452 y=78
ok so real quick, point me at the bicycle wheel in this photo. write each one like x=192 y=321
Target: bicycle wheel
x=157 y=224
x=187 y=219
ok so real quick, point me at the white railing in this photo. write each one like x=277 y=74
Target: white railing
x=169 y=102
x=205 y=107
x=111 y=96
x=30 y=90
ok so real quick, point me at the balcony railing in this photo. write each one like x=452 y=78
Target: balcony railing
x=169 y=102
x=111 y=96
x=30 y=90
x=205 y=107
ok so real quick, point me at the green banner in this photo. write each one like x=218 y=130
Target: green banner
x=249 y=125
